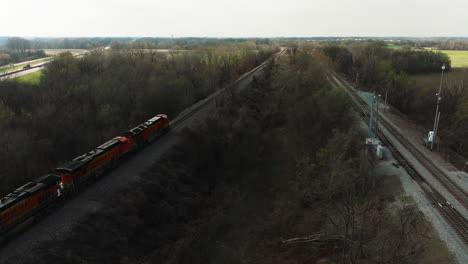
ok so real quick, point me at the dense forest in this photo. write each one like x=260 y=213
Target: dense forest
x=83 y=102
x=276 y=174
x=410 y=78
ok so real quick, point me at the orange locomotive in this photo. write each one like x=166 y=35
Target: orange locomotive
x=94 y=163
x=29 y=199
x=149 y=130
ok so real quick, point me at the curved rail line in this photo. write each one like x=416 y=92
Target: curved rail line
x=448 y=212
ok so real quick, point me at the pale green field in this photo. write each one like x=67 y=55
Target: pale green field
x=32 y=78
x=393 y=46
x=459 y=58
x=160 y=50
x=53 y=52
x=11 y=68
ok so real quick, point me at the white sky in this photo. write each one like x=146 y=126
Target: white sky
x=233 y=18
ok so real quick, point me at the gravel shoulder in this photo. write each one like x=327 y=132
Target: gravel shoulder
x=413 y=190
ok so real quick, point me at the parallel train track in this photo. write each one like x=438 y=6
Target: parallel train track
x=448 y=212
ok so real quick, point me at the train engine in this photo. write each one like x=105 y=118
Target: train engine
x=149 y=130
x=93 y=164
x=28 y=200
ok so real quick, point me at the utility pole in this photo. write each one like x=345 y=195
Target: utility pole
x=437 y=113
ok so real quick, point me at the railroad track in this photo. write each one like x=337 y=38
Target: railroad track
x=178 y=121
x=447 y=211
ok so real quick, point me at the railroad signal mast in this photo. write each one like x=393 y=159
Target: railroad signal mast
x=432 y=135
x=374 y=144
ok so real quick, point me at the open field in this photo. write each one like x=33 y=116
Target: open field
x=165 y=50
x=393 y=46
x=459 y=58
x=11 y=68
x=159 y=50
x=32 y=78
x=53 y=52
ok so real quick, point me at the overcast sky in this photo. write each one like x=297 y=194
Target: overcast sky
x=233 y=18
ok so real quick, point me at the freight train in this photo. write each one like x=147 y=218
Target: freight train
x=34 y=197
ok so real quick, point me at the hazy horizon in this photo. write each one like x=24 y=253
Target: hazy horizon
x=235 y=37
x=236 y=19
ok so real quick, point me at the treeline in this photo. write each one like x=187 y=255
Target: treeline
x=181 y=45
x=19 y=49
x=364 y=61
x=186 y=43
x=80 y=103
x=149 y=43
x=374 y=66
x=442 y=44
x=453 y=45
x=436 y=43
x=276 y=174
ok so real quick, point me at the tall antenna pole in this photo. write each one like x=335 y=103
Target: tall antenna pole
x=437 y=108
